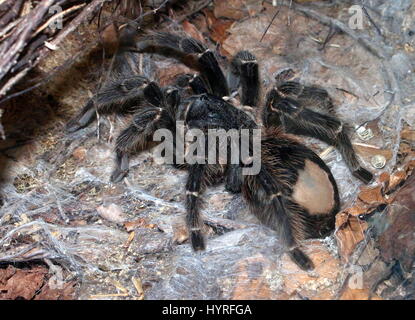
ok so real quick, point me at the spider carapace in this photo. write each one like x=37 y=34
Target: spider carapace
x=294 y=192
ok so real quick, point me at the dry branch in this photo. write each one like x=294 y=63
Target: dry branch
x=27 y=39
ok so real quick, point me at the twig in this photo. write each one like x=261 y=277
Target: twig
x=51 y=74
x=270 y=24
x=11 y=13
x=194 y=11
x=154 y=11
x=12 y=48
x=12 y=55
x=332 y=32
x=371 y=21
x=4 y=33
x=88 y=11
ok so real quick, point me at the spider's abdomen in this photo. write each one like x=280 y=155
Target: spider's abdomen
x=294 y=188
x=313 y=189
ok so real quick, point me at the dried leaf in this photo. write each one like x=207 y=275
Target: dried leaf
x=66 y=292
x=384 y=177
x=200 y=22
x=192 y=31
x=357 y=210
x=251 y=284
x=397 y=241
x=23 y=284
x=350 y=232
x=372 y=195
x=131 y=225
x=170 y=71
x=219 y=30
x=396 y=178
x=231 y=9
x=408 y=135
x=369 y=151
x=218 y=27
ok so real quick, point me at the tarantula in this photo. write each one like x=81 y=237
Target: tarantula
x=294 y=192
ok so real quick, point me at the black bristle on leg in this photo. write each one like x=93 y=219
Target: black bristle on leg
x=284 y=75
x=154 y=95
x=198 y=85
x=138 y=136
x=301 y=259
x=197 y=240
x=288 y=167
x=275 y=212
x=363 y=175
x=194 y=81
x=194 y=186
x=245 y=72
x=215 y=77
x=122 y=168
x=234 y=179
x=121 y=96
x=83 y=119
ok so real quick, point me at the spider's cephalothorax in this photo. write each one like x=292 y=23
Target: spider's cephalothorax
x=293 y=193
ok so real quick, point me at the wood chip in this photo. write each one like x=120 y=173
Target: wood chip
x=51 y=46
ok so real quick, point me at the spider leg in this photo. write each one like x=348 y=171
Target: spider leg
x=284 y=75
x=120 y=96
x=190 y=52
x=234 y=178
x=83 y=118
x=194 y=81
x=266 y=198
x=194 y=186
x=244 y=72
x=138 y=135
x=311 y=96
x=297 y=119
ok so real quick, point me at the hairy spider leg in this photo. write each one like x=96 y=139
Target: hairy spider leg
x=300 y=120
x=284 y=75
x=311 y=96
x=120 y=96
x=120 y=93
x=190 y=52
x=138 y=135
x=244 y=72
x=194 y=81
x=194 y=186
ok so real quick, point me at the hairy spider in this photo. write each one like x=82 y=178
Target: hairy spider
x=294 y=192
